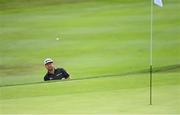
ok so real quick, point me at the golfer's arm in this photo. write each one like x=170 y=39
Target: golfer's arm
x=66 y=75
x=68 y=78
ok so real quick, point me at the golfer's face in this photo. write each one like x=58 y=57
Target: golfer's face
x=49 y=66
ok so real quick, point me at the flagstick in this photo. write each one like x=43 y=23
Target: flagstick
x=151 y=41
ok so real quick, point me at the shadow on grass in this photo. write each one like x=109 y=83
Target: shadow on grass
x=170 y=68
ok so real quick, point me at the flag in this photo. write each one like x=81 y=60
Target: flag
x=158 y=2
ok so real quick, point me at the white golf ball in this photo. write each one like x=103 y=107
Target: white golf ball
x=57 y=38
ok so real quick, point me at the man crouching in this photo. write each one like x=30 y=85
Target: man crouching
x=54 y=73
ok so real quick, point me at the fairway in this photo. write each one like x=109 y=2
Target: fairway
x=104 y=45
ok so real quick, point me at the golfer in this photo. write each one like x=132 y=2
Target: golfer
x=54 y=73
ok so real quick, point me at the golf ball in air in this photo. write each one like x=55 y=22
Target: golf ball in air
x=57 y=38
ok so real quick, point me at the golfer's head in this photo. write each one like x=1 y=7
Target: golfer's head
x=49 y=64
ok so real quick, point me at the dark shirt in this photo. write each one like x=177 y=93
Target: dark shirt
x=59 y=74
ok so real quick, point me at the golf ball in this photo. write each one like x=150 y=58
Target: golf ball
x=57 y=38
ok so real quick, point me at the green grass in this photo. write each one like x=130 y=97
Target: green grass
x=98 y=38
x=128 y=94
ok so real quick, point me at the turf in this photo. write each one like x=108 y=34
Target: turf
x=97 y=38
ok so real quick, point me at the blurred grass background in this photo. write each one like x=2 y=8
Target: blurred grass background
x=96 y=38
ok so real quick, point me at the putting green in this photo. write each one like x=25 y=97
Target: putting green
x=96 y=38
x=128 y=94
